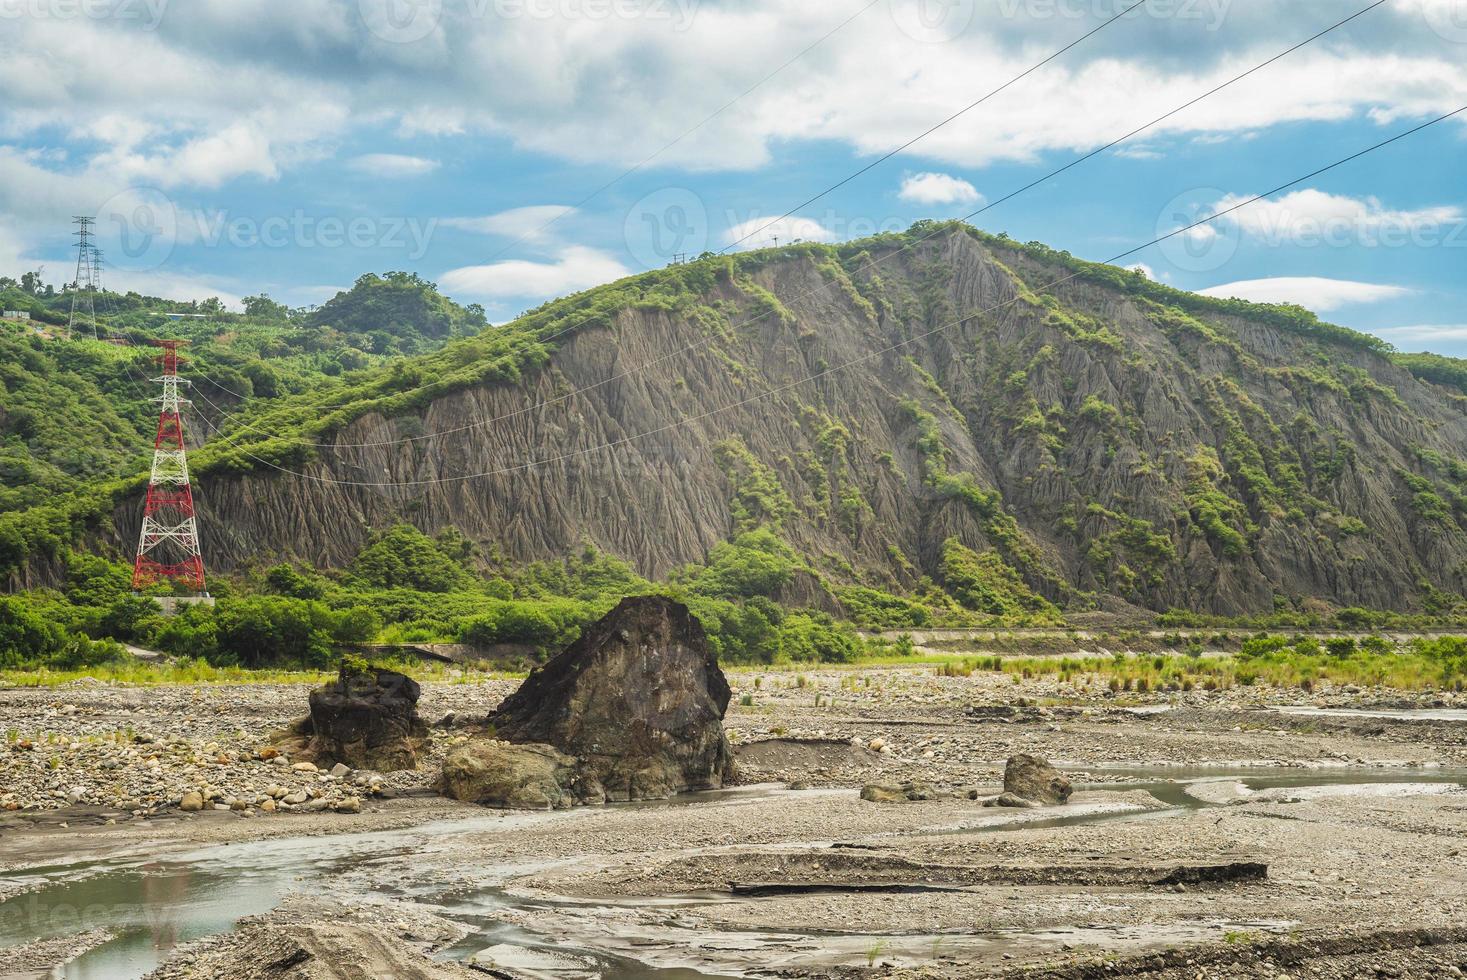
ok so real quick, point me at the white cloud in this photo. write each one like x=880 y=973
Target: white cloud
x=177 y=286
x=393 y=165
x=1314 y=217
x=1424 y=333
x=529 y=224
x=932 y=188
x=574 y=268
x=619 y=89
x=785 y=229
x=1144 y=269
x=232 y=92
x=1309 y=292
x=1139 y=151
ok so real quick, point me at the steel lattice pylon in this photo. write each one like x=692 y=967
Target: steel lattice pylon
x=168 y=545
x=88 y=275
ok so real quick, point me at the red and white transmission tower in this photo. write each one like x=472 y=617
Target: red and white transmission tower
x=168 y=546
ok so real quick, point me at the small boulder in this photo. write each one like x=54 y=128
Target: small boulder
x=193 y=802
x=883 y=793
x=365 y=719
x=909 y=792
x=1031 y=778
x=1009 y=799
x=517 y=777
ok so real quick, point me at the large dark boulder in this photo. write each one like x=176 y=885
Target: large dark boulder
x=366 y=719
x=637 y=703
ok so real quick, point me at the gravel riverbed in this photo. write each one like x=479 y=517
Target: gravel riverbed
x=1358 y=818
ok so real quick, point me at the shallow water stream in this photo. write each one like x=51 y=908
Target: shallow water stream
x=153 y=906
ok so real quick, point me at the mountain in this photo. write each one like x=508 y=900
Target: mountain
x=81 y=411
x=1081 y=437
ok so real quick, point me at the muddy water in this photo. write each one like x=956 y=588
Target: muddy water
x=155 y=906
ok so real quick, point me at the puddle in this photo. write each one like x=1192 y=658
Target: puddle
x=1408 y=714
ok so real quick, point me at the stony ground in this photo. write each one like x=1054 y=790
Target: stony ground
x=939 y=889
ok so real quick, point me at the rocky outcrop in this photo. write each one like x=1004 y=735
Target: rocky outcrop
x=1153 y=450
x=633 y=710
x=365 y=720
x=1032 y=779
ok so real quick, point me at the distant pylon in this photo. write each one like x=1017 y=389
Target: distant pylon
x=84 y=291
x=168 y=545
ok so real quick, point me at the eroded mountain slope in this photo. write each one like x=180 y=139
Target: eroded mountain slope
x=1106 y=439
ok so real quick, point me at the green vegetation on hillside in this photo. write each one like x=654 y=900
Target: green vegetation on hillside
x=75 y=421
x=76 y=414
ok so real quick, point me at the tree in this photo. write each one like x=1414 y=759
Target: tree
x=398 y=305
x=404 y=557
x=261 y=631
x=262 y=307
x=25 y=635
x=287 y=581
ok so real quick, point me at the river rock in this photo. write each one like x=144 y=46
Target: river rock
x=517 y=777
x=636 y=705
x=1012 y=800
x=364 y=720
x=192 y=802
x=908 y=792
x=1029 y=777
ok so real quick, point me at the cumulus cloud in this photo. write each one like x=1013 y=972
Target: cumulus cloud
x=574 y=268
x=562 y=85
x=529 y=224
x=785 y=229
x=232 y=91
x=933 y=188
x=393 y=165
x=1313 y=293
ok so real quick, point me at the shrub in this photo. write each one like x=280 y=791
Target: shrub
x=262 y=631
x=536 y=623
x=287 y=581
x=756 y=563
x=405 y=557
x=815 y=637
x=25 y=635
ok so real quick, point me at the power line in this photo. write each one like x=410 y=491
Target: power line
x=1029 y=71
x=864 y=357
x=928 y=132
x=824 y=286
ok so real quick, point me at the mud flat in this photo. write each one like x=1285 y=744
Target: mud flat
x=1229 y=834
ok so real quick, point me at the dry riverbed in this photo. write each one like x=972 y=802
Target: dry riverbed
x=1217 y=834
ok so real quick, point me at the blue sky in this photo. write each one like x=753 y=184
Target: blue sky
x=230 y=147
